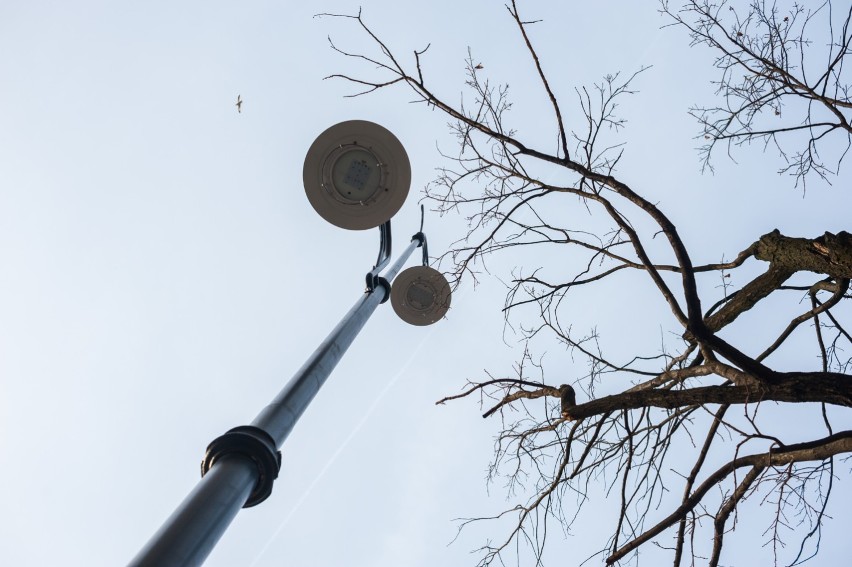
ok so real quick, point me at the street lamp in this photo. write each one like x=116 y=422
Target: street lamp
x=356 y=176
x=420 y=295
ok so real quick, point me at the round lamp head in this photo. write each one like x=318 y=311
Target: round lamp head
x=356 y=175
x=420 y=295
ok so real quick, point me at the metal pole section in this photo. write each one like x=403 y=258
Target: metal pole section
x=193 y=529
x=279 y=417
x=234 y=479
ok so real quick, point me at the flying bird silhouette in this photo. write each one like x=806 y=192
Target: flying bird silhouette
x=239 y=104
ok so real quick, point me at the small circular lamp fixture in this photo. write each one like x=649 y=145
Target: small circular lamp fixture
x=356 y=175
x=420 y=295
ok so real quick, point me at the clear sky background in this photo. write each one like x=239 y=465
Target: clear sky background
x=162 y=274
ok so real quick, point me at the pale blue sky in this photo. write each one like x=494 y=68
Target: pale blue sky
x=162 y=274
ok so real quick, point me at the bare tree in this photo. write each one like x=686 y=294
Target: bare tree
x=773 y=89
x=677 y=403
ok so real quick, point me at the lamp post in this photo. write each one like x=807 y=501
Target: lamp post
x=356 y=176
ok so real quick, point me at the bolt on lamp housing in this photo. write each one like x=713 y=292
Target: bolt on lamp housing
x=420 y=295
x=356 y=175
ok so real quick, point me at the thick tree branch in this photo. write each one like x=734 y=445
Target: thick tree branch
x=749 y=296
x=828 y=387
x=830 y=254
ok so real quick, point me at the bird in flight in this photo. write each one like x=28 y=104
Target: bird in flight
x=239 y=104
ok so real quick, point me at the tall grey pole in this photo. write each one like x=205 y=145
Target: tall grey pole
x=241 y=465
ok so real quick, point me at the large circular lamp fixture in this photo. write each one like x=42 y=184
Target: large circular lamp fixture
x=356 y=175
x=420 y=295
